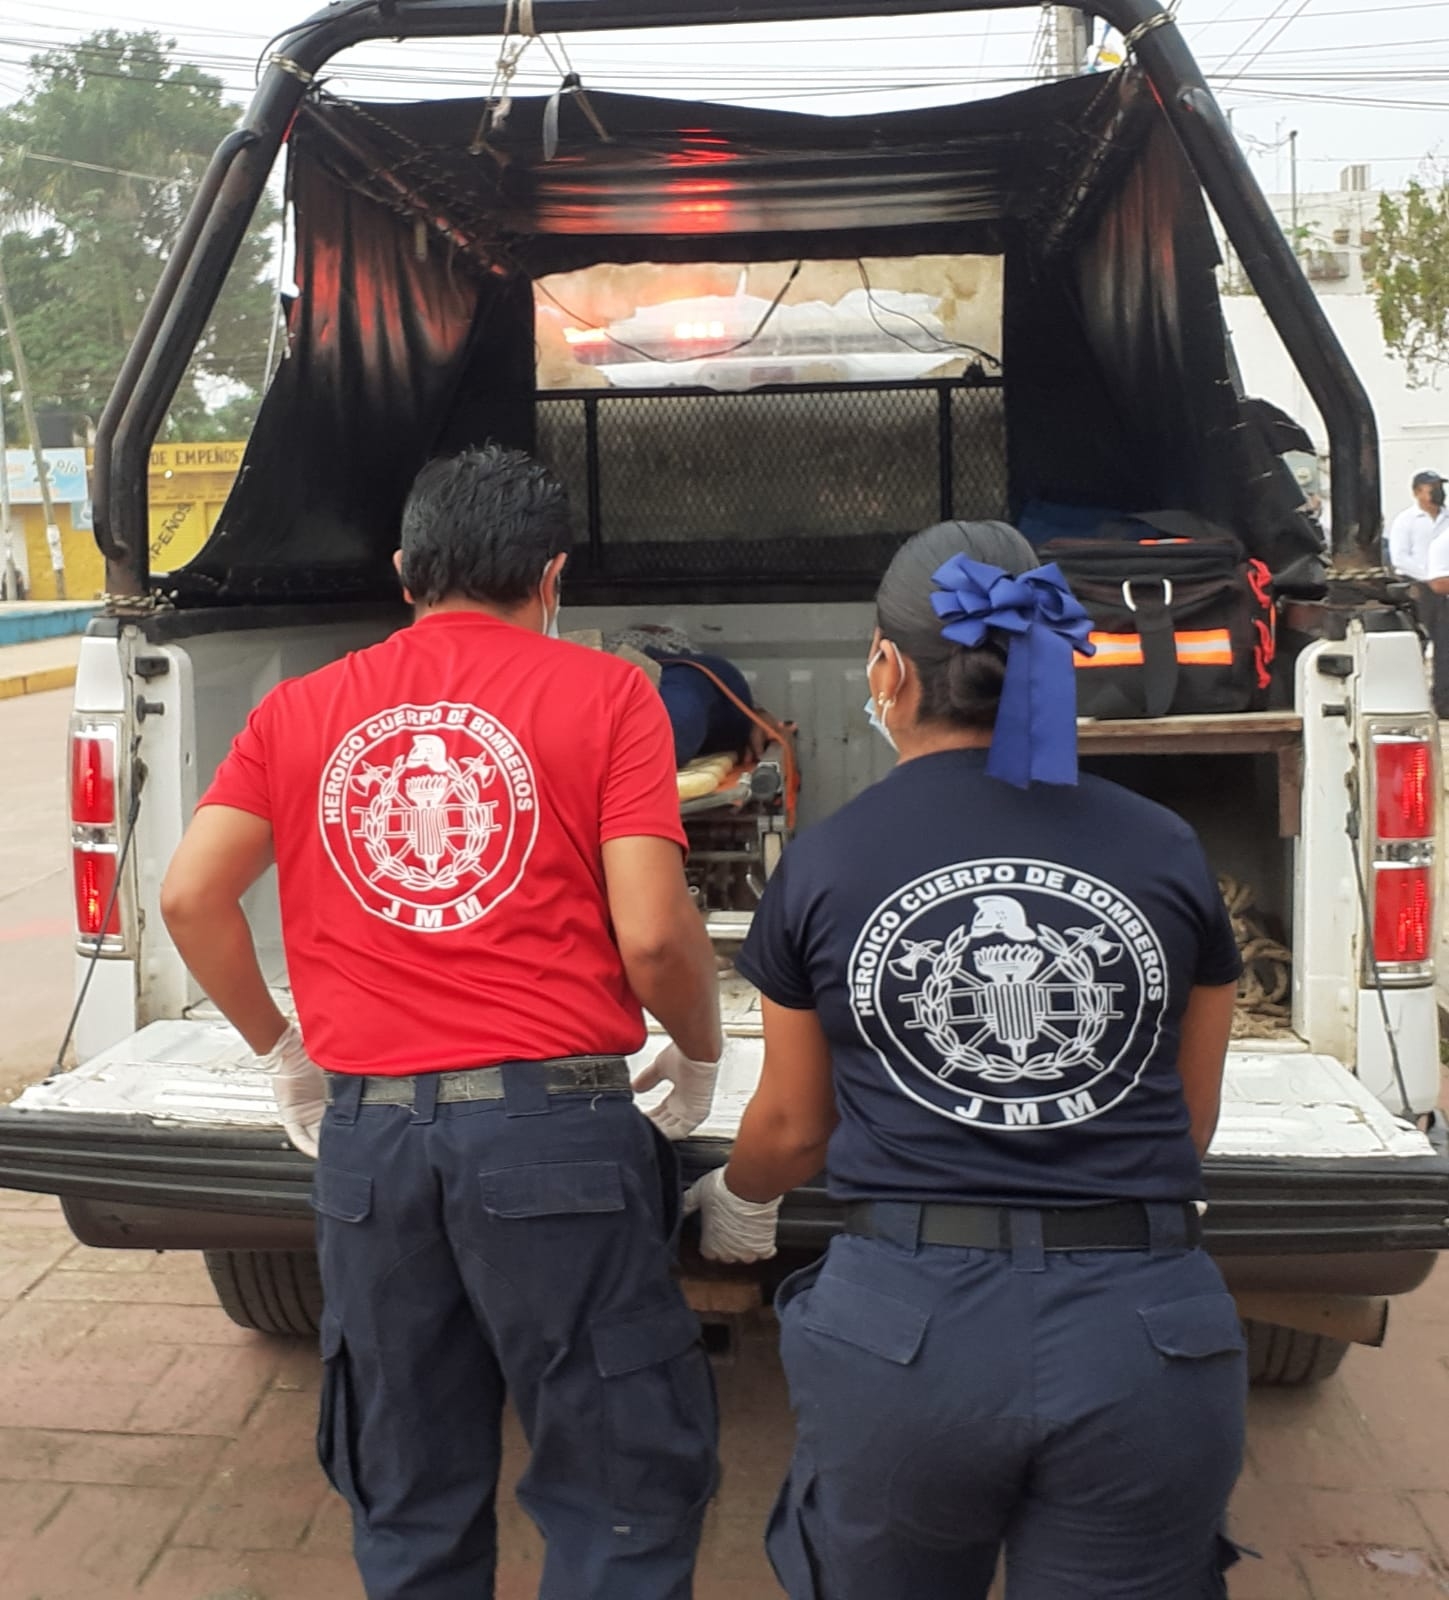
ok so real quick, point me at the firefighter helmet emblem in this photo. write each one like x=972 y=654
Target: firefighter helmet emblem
x=429 y=815
x=1011 y=993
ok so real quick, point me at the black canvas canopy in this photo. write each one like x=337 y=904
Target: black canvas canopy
x=676 y=172
x=422 y=227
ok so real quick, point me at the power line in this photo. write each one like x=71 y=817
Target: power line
x=92 y=166
x=1272 y=40
x=1279 y=7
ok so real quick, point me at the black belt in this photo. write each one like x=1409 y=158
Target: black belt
x=1122 y=1226
x=573 y=1075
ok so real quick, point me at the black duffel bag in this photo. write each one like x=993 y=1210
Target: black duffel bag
x=1182 y=626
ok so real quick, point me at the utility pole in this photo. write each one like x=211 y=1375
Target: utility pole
x=11 y=590
x=27 y=404
x=1071 y=37
x=1233 y=260
x=1293 y=178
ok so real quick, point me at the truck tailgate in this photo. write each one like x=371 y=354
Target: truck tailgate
x=1280 y=1101
x=176 y=1122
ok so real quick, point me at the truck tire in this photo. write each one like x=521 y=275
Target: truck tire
x=268 y=1291
x=1284 y=1358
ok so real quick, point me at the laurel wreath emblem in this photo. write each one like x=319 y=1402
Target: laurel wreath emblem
x=948 y=970
x=466 y=858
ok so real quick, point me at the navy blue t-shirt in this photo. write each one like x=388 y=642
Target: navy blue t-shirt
x=1002 y=977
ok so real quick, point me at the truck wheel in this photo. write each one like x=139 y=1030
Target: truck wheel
x=268 y=1291
x=1284 y=1358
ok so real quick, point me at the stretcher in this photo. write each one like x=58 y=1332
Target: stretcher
x=739 y=811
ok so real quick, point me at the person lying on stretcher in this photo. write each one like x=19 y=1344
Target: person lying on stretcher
x=707 y=697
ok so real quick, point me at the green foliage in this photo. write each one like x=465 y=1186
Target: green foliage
x=84 y=248
x=1408 y=263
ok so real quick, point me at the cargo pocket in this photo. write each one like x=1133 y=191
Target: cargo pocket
x=553 y=1189
x=338 y=1418
x=853 y=1314
x=343 y=1202
x=1202 y=1328
x=659 y=1410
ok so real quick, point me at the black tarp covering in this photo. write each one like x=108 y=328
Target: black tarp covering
x=1125 y=330
x=378 y=340
x=682 y=172
x=413 y=331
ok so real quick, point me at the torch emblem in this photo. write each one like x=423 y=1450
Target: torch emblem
x=1008 y=1002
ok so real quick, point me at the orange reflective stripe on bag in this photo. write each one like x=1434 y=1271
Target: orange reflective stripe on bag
x=1213 y=648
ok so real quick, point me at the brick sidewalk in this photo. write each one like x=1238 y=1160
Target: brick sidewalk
x=38 y=666
x=148 y=1447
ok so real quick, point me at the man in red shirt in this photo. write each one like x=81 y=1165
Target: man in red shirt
x=477 y=837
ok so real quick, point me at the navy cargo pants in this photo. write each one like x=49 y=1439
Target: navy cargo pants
x=1085 y=1410
x=519 y=1245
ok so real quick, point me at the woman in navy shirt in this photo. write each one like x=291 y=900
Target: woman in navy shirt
x=997 y=1003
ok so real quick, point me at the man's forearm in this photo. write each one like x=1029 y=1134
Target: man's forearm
x=677 y=982
x=216 y=945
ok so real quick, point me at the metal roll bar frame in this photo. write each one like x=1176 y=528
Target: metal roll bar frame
x=237 y=178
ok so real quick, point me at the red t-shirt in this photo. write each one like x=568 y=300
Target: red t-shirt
x=439 y=805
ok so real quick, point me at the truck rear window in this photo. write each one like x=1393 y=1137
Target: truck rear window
x=783 y=418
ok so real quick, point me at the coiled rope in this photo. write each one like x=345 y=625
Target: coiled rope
x=1265 y=994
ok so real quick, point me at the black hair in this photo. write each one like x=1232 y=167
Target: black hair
x=959 y=686
x=1434 y=483
x=482 y=526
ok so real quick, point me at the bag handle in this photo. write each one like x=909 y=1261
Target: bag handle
x=1159 y=643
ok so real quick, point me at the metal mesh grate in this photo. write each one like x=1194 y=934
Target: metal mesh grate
x=805 y=482
x=562 y=444
x=978 y=455
x=775 y=466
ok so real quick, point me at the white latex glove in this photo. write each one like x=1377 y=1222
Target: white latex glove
x=300 y=1088
x=731 y=1229
x=689 y=1100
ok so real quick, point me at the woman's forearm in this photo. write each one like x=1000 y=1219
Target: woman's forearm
x=771 y=1156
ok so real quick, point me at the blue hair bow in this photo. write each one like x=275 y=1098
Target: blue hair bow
x=1036 y=728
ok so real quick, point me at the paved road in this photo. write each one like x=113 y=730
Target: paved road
x=35 y=894
x=147 y=1447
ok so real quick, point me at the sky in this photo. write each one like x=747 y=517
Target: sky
x=1356 y=82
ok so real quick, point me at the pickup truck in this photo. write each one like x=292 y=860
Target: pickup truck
x=446 y=251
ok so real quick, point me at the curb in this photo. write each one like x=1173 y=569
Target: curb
x=23 y=623
x=41 y=681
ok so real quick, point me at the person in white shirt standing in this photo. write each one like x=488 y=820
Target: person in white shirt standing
x=1419 y=551
x=1414 y=530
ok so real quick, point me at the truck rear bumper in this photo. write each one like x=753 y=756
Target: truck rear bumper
x=1352 y=1226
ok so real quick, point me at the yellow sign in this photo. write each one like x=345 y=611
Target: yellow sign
x=189 y=484
x=196 y=457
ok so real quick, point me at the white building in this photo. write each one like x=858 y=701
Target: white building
x=1330 y=231
x=1333 y=232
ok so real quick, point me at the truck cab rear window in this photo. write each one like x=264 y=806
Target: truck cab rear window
x=778 y=418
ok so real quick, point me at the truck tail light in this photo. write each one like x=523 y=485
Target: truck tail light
x=97 y=912
x=1404 y=850
x=1403 y=915
x=93 y=775
x=1404 y=788
x=96 y=787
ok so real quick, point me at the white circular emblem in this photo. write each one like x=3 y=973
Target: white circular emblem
x=1012 y=994
x=429 y=814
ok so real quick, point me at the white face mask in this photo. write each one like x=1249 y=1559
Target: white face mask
x=550 y=625
x=872 y=712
